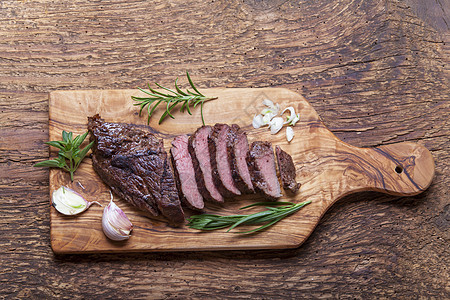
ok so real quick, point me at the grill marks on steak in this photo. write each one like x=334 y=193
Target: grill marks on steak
x=287 y=170
x=201 y=159
x=237 y=146
x=261 y=163
x=135 y=166
x=185 y=173
x=220 y=136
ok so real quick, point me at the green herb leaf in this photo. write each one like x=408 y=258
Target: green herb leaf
x=52 y=163
x=274 y=213
x=172 y=99
x=69 y=155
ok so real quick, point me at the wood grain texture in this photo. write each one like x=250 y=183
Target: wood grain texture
x=376 y=73
x=328 y=169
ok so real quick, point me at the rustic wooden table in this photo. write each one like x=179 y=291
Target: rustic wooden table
x=376 y=71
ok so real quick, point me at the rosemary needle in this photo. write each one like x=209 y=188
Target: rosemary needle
x=171 y=98
x=267 y=217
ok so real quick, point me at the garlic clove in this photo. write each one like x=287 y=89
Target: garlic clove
x=276 y=124
x=68 y=202
x=268 y=103
x=295 y=120
x=289 y=133
x=257 y=121
x=115 y=223
x=266 y=111
x=267 y=118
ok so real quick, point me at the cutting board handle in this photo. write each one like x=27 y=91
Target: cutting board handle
x=403 y=169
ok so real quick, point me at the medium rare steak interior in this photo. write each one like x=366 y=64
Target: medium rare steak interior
x=185 y=173
x=287 y=170
x=212 y=164
x=133 y=163
x=261 y=163
x=237 y=146
x=201 y=159
x=220 y=136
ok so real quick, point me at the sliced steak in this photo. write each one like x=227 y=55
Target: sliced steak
x=201 y=159
x=133 y=163
x=221 y=160
x=237 y=146
x=261 y=163
x=287 y=170
x=185 y=174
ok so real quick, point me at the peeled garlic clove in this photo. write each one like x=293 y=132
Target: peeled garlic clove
x=268 y=103
x=289 y=133
x=115 y=223
x=276 y=124
x=293 y=118
x=257 y=121
x=267 y=118
x=69 y=202
x=266 y=111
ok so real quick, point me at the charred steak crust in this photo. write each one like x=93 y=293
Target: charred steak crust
x=132 y=192
x=221 y=160
x=134 y=164
x=237 y=144
x=204 y=181
x=261 y=163
x=170 y=209
x=287 y=170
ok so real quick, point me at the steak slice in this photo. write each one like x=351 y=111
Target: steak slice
x=221 y=160
x=201 y=159
x=287 y=170
x=133 y=163
x=184 y=173
x=237 y=146
x=261 y=163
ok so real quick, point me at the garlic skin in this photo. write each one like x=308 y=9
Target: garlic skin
x=289 y=133
x=68 y=202
x=115 y=223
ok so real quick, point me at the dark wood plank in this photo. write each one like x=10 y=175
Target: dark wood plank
x=374 y=71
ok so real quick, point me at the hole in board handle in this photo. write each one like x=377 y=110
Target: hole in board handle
x=399 y=169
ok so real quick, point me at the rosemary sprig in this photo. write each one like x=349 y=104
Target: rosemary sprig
x=70 y=155
x=171 y=98
x=267 y=217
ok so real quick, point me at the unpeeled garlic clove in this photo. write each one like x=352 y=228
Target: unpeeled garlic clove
x=68 y=202
x=115 y=223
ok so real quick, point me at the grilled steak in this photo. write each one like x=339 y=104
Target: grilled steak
x=287 y=170
x=201 y=159
x=184 y=173
x=221 y=160
x=135 y=166
x=237 y=146
x=261 y=163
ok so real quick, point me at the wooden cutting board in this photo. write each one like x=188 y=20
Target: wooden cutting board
x=327 y=168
